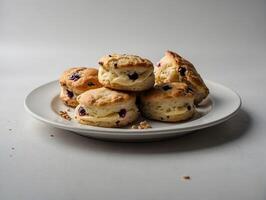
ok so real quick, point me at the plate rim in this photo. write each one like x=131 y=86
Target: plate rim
x=131 y=132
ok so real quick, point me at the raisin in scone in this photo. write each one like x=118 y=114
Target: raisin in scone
x=106 y=108
x=169 y=102
x=75 y=81
x=126 y=72
x=174 y=68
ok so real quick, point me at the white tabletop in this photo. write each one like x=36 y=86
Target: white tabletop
x=226 y=42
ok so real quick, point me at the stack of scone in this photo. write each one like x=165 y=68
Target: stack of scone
x=108 y=98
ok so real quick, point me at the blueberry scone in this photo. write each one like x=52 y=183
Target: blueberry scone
x=169 y=102
x=126 y=72
x=106 y=108
x=75 y=81
x=174 y=68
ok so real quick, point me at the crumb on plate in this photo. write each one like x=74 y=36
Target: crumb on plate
x=186 y=178
x=141 y=125
x=64 y=115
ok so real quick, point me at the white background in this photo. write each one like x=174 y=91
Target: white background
x=224 y=39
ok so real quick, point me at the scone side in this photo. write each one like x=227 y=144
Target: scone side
x=137 y=86
x=106 y=108
x=126 y=72
x=172 y=102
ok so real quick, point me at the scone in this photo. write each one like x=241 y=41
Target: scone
x=126 y=72
x=75 y=81
x=174 y=68
x=170 y=102
x=106 y=108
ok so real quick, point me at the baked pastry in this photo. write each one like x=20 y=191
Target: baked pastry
x=126 y=72
x=170 y=102
x=75 y=81
x=174 y=68
x=106 y=108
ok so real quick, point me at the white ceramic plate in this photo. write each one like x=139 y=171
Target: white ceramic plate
x=43 y=103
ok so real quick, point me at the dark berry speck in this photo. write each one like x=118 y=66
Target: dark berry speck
x=74 y=77
x=189 y=107
x=133 y=76
x=189 y=89
x=90 y=84
x=182 y=71
x=70 y=94
x=166 y=87
x=82 y=111
x=122 y=113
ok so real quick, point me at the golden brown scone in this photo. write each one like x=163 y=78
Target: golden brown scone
x=170 y=102
x=75 y=81
x=174 y=68
x=126 y=72
x=106 y=108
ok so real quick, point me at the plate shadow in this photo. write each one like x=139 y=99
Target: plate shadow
x=227 y=132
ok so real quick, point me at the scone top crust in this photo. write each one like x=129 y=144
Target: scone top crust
x=80 y=79
x=123 y=60
x=185 y=69
x=101 y=97
x=168 y=91
x=173 y=68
